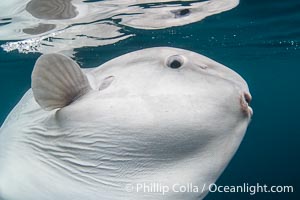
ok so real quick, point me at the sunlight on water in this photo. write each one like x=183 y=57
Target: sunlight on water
x=61 y=25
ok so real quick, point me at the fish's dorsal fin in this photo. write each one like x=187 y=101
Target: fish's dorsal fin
x=57 y=81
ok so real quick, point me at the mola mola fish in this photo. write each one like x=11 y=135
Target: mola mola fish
x=155 y=118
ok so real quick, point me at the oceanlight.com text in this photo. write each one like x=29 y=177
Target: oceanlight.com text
x=190 y=187
x=251 y=189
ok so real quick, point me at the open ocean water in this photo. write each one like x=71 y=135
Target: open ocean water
x=259 y=39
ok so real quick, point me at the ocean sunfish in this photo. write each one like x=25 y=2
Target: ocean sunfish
x=155 y=116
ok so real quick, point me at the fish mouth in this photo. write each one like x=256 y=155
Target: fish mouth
x=245 y=100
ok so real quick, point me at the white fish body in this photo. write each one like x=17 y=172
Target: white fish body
x=156 y=116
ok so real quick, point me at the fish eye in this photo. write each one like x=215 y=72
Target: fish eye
x=181 y=12
x=184 y=12
x=175 y=62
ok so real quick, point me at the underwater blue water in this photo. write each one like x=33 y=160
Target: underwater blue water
x=258 y=39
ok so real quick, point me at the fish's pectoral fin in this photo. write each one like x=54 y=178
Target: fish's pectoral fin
x=57 y=81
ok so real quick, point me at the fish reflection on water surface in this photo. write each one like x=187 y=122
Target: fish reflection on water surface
x=61 y=25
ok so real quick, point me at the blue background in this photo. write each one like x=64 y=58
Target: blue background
x=258 y=39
